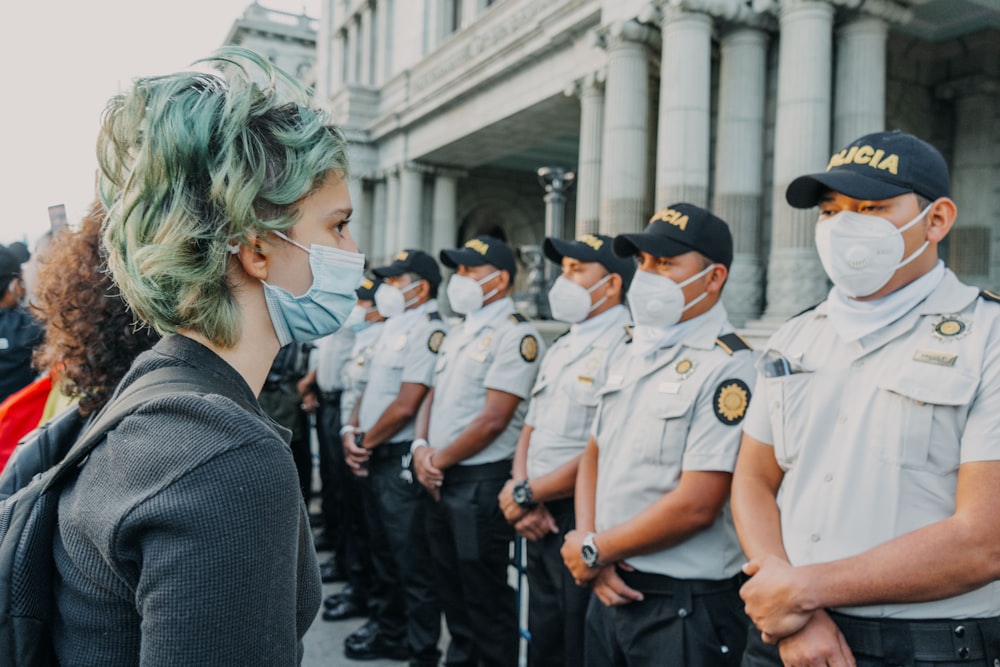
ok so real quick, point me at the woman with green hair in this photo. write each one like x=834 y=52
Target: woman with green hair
x=184 y=539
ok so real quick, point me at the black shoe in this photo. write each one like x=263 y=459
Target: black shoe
x=335 y=599
x=378 y=647
x=347 y=608
x=362 y=634
x=331 y=571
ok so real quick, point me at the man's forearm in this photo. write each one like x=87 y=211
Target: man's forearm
x=586 y=487
x=480 y=433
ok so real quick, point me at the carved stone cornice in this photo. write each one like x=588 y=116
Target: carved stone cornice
x=594 y=80
x=621 y=32
x=889 y=10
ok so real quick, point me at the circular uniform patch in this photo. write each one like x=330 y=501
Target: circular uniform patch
x=950 y=327
x=731 y=400
x=529 y=348
x=435 y=340
x=684 y=367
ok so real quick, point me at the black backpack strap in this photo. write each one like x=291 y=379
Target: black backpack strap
x=155 y=384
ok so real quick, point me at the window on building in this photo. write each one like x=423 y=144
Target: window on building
x=452 y=15
x=358 y=40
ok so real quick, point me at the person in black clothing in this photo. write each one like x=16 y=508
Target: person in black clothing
x=20 y=334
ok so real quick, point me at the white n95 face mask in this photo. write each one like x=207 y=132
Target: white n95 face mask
x=860 y=253
x=391 y=300
x=657 y=301
x=465 y=294
x=570 y=302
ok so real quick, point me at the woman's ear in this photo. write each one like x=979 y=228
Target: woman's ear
x=251 y=256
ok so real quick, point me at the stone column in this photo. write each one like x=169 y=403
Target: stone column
x=588 y=171
x=859 y=90
x=350 y=37
x=326 y=54
x=685 y=84
x=392 y=227
x=974 y=242
x=739 y=156
x=624 y=168
x=382 y=45
x=380 y=210
x=411 y=190
x=445 y=219
x=361 y=219
x=367 y=218
x=801 y=145
x=367 y=26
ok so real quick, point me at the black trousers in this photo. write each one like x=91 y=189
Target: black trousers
x=887 y=642
x=470 y=545
x=347 y=513
x=557 y=607
x=331 y=474
x=401 y=514
x=689 y=622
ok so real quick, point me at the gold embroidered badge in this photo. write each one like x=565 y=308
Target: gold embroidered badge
x=731 y=401
x=529 y=348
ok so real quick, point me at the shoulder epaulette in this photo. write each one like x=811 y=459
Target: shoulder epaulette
x=628 y=333
x=518 y=318
x=989 y=296
x=804 y=311
x=434 y=317
x=731 y=343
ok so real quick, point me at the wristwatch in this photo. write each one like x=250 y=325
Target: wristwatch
x=588 y=551
x=521 y=493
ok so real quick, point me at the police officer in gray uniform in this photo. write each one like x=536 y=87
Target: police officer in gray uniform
x=654 y=533
x=866 y=489
x=352 y=545
x=485 y=370
x=538 y=501
x=400 y=372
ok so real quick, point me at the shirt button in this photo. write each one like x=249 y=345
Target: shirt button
x=960 y=631
x=827 y=477
x=814 y=537
x=682 y=612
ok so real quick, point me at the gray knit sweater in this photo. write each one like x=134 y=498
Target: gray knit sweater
x=184 y=539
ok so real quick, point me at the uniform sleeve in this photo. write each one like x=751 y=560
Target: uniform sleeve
x=422 y=356
x=981 y=435
x=516 y=363
x=714 y=436
x=757 y=423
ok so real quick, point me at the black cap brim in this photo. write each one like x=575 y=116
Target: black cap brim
x=805 y=191
x=629 y=245
x=389 y=271
x=556 y=249
x=452 y=258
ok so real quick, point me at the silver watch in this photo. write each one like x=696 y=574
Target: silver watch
x=588 y=551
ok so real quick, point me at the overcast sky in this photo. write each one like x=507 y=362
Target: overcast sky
x=61 y=62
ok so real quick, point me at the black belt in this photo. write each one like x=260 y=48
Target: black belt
x=661 y=584
x=330 y=396
x=388 y=451
x=475 y=473
x=928 y=640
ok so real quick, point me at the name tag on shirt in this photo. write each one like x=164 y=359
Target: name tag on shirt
x=615 y=380
x=935 y=357
x=478 y=357
x=669 y=387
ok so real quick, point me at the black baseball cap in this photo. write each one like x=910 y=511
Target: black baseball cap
x=876 y=166
x=412 y=261
x=591 y=248
x=10 y=263
x=366 y=290
x=678 y=229
x=482 y=250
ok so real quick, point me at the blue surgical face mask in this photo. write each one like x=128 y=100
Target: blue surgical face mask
x=328 y=301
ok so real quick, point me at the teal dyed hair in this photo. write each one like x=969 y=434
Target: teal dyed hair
x=193 y=162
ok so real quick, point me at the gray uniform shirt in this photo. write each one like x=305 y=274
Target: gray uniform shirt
x=329 y=358
x=356 y=369
x=870 y=434
x=665 y=413
x=497 y=350
x=406 y=352
x=564 y=398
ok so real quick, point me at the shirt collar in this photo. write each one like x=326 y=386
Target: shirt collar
x=698 y=332
x=586 y=332
x=476 y=320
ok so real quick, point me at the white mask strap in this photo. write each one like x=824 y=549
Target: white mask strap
x=696 y=276
x=292 y=241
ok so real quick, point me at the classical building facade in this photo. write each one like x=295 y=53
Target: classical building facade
x=452 y=106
